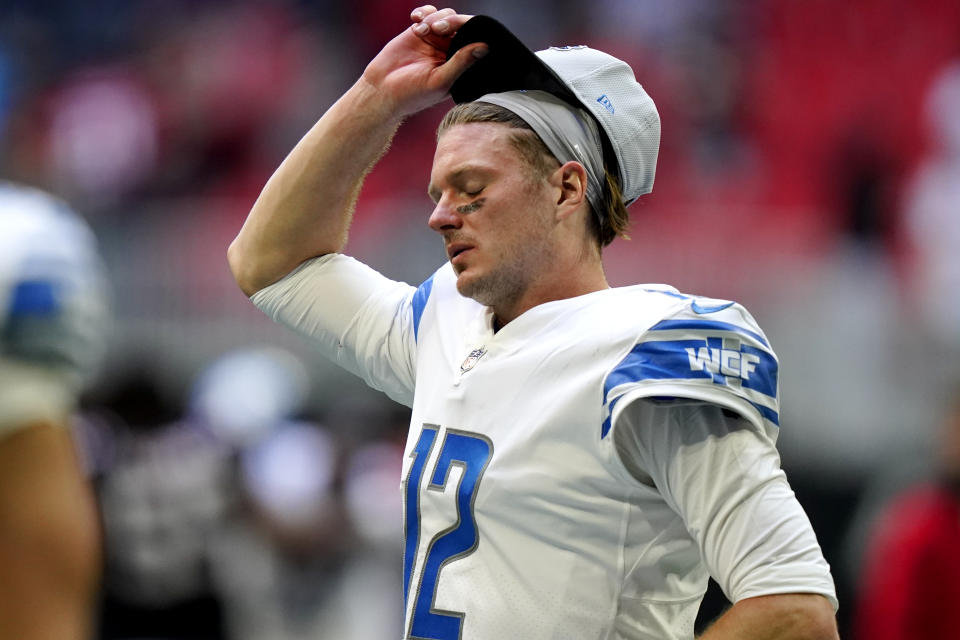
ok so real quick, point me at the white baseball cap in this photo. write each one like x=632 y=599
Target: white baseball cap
x=601 y=84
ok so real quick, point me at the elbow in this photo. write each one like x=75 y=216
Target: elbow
x=808 y=617
x=254 y=270
x=793 y=616
x=815 y=620
x=244 y=270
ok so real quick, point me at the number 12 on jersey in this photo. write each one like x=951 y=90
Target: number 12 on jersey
x=471 y=452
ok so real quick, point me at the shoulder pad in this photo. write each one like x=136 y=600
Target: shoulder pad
x=710 y=350
x=53 y=294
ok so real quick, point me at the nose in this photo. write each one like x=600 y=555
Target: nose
x=444 y=217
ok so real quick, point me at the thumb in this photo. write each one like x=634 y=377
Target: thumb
x=462 y=60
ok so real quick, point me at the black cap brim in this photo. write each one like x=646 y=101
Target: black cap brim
x=508 y=66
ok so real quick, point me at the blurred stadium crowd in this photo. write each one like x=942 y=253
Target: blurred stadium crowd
x=809 y=168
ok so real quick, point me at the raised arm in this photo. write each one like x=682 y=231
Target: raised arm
x=305 y=208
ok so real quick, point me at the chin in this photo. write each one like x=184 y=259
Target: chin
x=471 y=286
x=489 y=289
x=466 y=285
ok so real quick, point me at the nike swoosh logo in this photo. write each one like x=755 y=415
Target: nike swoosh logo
x=705 y=310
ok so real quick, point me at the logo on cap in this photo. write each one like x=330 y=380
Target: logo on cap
x=605 y=101
x=570 y=47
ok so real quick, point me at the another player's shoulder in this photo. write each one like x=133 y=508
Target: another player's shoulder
x=41 y=231
x=53 y=292
x=25 y=210
x=53 y=306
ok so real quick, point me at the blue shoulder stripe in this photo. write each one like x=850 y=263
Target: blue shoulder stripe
x=420 y=298
x=34 y=298
x=707 y=325
x=705 y=359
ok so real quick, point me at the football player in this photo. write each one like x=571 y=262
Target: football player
x=580 y=458
x=52 y=313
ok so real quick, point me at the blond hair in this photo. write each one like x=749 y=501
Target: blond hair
x=610 y=223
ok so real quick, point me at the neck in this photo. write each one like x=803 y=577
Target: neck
x=584 y=278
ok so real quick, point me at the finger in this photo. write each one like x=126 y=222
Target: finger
x=439 y=26
x=462 y=60
x=446 y=11
x=420 y=13
x=438 y=16
x=438 y=31
x=447 y=25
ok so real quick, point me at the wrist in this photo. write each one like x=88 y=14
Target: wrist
x=366 y=97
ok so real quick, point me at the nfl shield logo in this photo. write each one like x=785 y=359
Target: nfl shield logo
x=471 y=360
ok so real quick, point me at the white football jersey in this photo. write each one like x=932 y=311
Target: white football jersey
x=520 y=519
x=52 y=306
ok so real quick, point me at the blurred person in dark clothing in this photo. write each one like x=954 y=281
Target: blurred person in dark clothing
x=164 y=489
x=909 y=585
x=52 y=312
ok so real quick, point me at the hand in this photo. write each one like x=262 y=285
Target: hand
x=412 y=70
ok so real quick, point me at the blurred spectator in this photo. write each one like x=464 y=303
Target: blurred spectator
x=169 y=491
x=933 y=212
x=103 y=135
x=230 y=522
x=245 y=394
x=840 y=327
x=52 y=329
x=909 y=585
x=282 y=563
x=292 y=564
x=165 y=491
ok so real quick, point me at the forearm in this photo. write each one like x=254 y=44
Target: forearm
x=795 y=616
x=305 y=208
x=49 y=538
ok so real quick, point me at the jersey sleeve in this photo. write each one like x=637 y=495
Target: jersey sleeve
x=356 y=317
x=709 y=350
x=723 y=478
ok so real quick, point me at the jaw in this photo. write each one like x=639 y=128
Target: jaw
x=500 y=289
x=471 y=283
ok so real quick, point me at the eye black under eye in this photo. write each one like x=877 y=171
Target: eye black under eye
x=473 y=206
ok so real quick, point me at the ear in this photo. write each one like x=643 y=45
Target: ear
x=570 y=180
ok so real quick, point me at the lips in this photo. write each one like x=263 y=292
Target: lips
x=455 y=249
